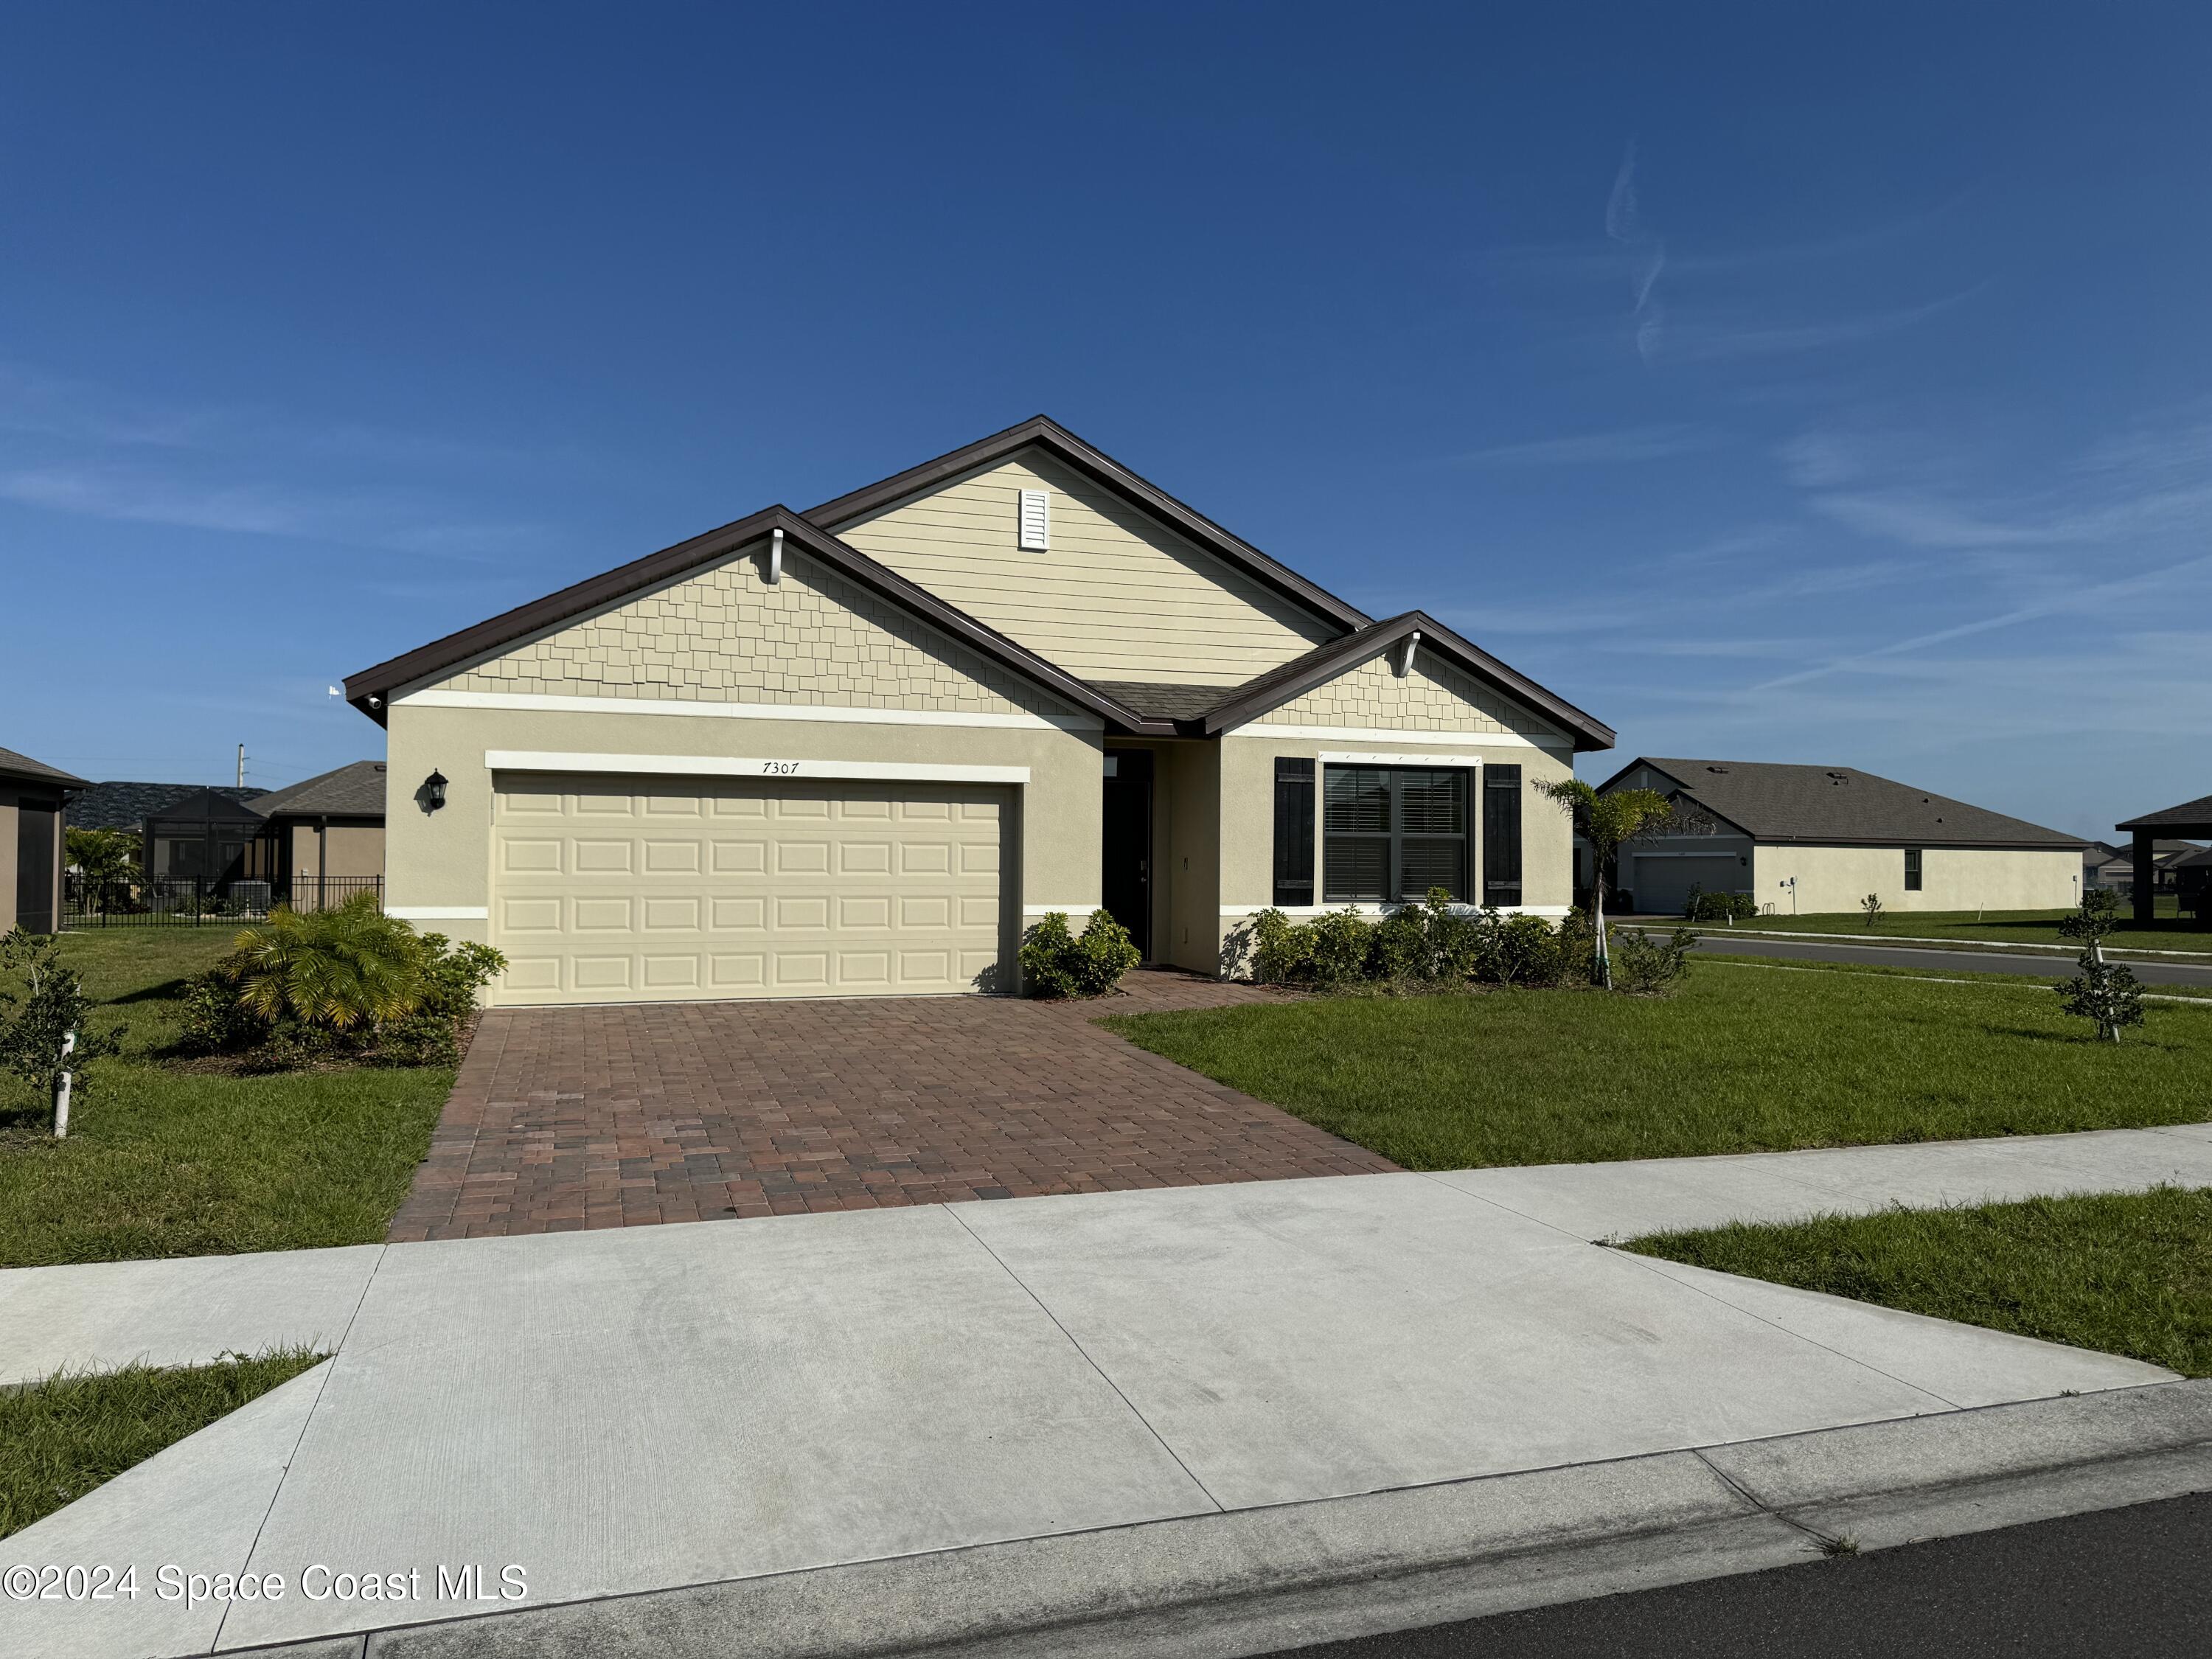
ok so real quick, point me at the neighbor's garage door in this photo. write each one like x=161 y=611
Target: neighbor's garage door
x=637 y=890
x=1663 y=884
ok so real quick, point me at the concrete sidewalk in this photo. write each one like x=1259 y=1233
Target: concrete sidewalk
x=628 y=1413
x=195 y=1309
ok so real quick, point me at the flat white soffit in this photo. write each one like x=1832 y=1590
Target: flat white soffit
x=1346 y=758
x=1385 y=734
x=756 y=766
x=756 y=711
x=439 y=912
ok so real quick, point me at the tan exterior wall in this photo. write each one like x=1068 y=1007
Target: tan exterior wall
x=729 y=635
x=7 y=858
x=1833 y=880
x=1434 y=697
x=354 y=850
x=1117 y=596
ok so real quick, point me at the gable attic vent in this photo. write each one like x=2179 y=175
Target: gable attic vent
x=1036 y=520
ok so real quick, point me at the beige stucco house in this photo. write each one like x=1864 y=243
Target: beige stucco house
x=858 y=750
x=1814 y=840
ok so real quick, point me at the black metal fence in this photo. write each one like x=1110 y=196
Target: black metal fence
x=187 y=903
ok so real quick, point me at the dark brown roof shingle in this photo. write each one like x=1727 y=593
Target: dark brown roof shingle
x=1841 y=804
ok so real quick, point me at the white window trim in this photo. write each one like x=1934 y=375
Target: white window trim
x=755 y=766
x=439 y=912
x=1386 y=734
x=1083 y=908
x=760 y=711
x=1346 y=757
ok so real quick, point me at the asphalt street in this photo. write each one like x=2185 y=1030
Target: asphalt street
x=1930 y=959
x=2128 y=1580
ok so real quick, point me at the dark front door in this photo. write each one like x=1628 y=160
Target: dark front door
x=1126 y=885
x=37 y=830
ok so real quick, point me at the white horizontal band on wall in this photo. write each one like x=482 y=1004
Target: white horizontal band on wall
x=1081 y=906
x=1554 y=910
x=759 y=711
x=439 y=912
x=1336 y=758
x=1383 y=734
x=756 y=766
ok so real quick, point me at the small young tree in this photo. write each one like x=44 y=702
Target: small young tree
x=1608 y=822
x=42 y=1002
x=2099 y=915
x=2107 y=992
x=1872 y=905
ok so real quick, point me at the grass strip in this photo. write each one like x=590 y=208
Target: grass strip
x=62 y=1437
x=2122 y=1272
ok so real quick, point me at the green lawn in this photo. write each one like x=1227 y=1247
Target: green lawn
x=161 y=1161
x=2168 y=931
x=2043 y=983
x=62 y=1437
x=1739 y=1060
x=2124 y=1273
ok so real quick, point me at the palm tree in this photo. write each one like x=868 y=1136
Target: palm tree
x=1607 y=821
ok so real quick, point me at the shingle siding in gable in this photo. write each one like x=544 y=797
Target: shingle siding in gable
x=726 y=635
x=1117 y=598
x=1432 y=698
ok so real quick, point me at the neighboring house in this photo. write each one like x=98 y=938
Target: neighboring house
x=856 y=751
x=324 y=836
x=328 y=831
x=1809 y=840
x=32 y=796
x=2104 y=864
x=123 y=806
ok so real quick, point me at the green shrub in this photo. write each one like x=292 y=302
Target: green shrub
x=348 y=981
x=1525 y=952
x=1719 y=906
x=1340 y=947
x=1455 y=939
x=1398 y=945
x=1282 y=950
x=1643 y=961
x=42 y=1000
x=1058 y=963
x=1574 y=950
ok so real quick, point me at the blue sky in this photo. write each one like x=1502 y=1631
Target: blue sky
x=1827 y=386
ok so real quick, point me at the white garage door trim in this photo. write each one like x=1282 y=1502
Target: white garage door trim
x=751 y=766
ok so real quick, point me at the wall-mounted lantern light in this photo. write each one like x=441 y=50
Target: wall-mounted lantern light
x=434 y=792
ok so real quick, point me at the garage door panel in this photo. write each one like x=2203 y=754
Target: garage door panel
x=643 y=890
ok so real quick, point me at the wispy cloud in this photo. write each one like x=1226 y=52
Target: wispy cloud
x=1637 y=443
x=1718 y=340
x=1642 y=255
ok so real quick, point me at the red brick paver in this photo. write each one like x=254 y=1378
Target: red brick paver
x=566 y=1118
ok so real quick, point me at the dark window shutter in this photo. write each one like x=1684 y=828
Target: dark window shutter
x=1501 y=834
x=1294 y=831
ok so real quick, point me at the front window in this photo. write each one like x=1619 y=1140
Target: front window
x=1392 y=833
x=1912 y=869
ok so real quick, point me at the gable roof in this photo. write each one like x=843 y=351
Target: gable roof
x=14 y=765
x=1043 y=432
x=2191 y=816
x=355 y=790
x=1839 y=806
x=370 y=690
x=812 y=533
x=210 y=806
x=121 y=805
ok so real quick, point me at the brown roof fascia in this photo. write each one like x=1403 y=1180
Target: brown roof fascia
x=1325 y=662
x=369 y=691
x=1049 y=434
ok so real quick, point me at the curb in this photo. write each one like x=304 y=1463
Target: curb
x=1970 y=947
x=1254 y=1581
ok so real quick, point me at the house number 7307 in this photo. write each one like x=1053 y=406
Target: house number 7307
x=781 y=769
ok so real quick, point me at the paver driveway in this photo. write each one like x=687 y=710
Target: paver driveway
x=614 y=1116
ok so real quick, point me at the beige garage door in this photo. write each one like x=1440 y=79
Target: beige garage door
x=641 y=889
